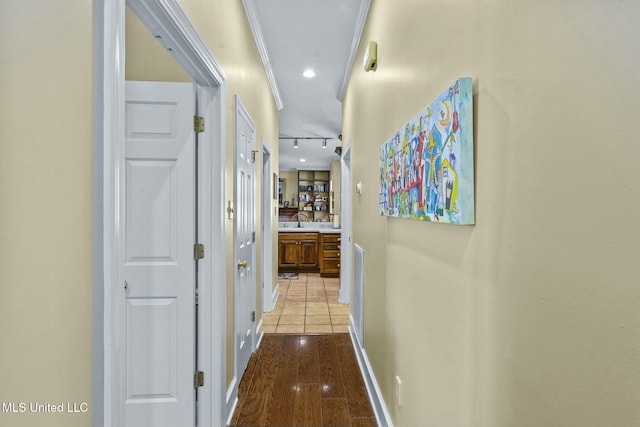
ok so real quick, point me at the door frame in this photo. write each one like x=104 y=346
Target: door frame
x=167 y=20
x=346 y=245
x=268 y=300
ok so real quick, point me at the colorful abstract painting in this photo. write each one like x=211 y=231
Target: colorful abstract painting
x=426 y=169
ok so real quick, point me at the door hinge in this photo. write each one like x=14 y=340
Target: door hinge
x=253 y=236
x=198 y=251
x=253 y=155
x=198 y=379
x=253 y=316
x=198 y=124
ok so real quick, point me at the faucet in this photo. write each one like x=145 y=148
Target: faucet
x=300 y=217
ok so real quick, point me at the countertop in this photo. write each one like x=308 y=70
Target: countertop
x=293 y=228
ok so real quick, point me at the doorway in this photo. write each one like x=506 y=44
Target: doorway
x=269 y=193
x=309 y=265
x=171 y=25
x=346 y=245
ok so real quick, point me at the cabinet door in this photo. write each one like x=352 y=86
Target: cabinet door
x=288 y=253
x=308 y=253
x=331 y=266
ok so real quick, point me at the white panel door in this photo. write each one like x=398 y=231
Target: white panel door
x=158 y=352
x=245 y=283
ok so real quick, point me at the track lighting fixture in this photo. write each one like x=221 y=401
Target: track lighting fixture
x=296 y=138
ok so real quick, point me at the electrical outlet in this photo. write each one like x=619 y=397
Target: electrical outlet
x=399 y=391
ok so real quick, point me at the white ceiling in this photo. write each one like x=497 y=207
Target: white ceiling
x=295 y=35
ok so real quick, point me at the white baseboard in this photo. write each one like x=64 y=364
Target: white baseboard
x=377 y=401
x=274 y=296
x=232 y=399
x=259 y=334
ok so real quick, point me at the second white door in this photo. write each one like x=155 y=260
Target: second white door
x=244 y=234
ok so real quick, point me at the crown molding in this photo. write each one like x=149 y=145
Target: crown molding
x=357 y=34
x=256 y=29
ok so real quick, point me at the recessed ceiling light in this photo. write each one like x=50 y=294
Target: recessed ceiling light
x=303 y=160
x=309 y=73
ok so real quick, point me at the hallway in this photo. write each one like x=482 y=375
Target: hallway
x=308 y=305
x=303 y=380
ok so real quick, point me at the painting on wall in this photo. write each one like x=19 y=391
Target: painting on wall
x=426 y=168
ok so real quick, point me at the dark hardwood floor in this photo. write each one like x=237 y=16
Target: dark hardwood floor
x=303 y=381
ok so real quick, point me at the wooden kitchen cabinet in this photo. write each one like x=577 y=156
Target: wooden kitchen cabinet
x=298 y=252
x=330 y=255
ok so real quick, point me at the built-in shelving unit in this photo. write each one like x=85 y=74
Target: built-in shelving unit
x=313 y=195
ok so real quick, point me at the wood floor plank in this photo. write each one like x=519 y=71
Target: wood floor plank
x=283 y=395
x=247 y=376
x=364 y=422
x=342 y=339
x=307 y=406
x=331 y=385
x=335 y=413
x=265 y=371
x=308 y=369
x=356 y=391
x=245 y=385
x=290 y=352
x=254 y=410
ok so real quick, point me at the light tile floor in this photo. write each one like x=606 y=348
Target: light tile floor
x=307 y=305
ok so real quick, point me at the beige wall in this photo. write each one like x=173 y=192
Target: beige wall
x=45 y=207
x=146 y=59
x=224 y=27
x=529 y=318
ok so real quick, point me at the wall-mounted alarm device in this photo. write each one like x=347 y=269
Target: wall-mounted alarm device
x=371 y=57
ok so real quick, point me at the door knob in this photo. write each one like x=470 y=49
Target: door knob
x=242 y=264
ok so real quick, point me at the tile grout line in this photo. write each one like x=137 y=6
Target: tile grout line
x=326 y=296
x=311 y=291
x=304 y=319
